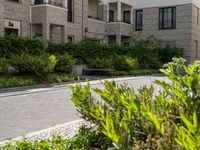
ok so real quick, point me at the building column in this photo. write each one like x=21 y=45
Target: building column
x=108 y=8
x=118 y=36
x=65 y=3
x=131 y=15
x=46 y=31
x=46 y=1
x=119 y=11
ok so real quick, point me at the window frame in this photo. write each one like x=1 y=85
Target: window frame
x=162 y=18
x=127 y=20
x=136 y=21
x=113 y=15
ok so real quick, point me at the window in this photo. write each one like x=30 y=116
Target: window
x=17 y=1
x=10 y=31
x=70 y=39
x=70 y=11
x=111 y=16
x=197 y=15
x=127 y=17
x=139 y=20
x=167 y=18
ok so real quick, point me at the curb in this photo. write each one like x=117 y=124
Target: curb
x=43 y=88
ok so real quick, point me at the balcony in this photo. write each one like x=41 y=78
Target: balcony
x=96 y=10
x=58 y=3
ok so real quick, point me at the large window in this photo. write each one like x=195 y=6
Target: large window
x=111 y=16
x=70 y=11
x=167 y=18
x=139 y=20
x=127 y=17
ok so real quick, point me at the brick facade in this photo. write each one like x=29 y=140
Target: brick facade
x=50 y=23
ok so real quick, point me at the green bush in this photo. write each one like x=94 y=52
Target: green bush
x=101 y=63
x=124 y=63
x=147 y=119
x=39 y=66
x=137 y=72
x=3 y=66
x=146 y=50
x=13 y=45
x=85 y=139
x=15 y=82
x=166 y=54
x=65 y=63
x=86 y=50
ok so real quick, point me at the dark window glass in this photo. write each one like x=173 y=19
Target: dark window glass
x=10 y=31
x=70 y=11
x=111 y=16
x=139 y=20
x=127 y=17
x=167 y=18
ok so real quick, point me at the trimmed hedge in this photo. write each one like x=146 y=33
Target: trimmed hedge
x=13 y=45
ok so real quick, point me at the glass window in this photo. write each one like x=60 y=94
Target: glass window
x=167 y=18
x=111 y=16
x=127 y=17
x=139 y=20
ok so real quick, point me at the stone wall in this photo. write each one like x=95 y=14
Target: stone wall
x=181 y=36
x=19 y=12
x=1 y=16
x=195 y=52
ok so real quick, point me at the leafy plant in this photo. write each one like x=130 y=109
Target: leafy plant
x=39 y=66
x=65 y=63
x=3 y=66
x=146 y=119
x=15 y=82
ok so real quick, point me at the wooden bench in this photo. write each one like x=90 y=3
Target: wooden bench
x=100 y=72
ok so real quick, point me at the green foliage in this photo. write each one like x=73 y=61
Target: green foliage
x=86 y=50
x=146 y=50
x=65 y=63
x=101 y=63
x=13 y=45
x=15 y=82
x=39 y=66
x=188 y=136
x=86 y=138
x=4 y=66
x=166 y=54
x=146 y=119
x=124 y=63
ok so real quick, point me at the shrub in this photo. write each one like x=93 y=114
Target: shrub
x=65 y=63
x=147 y=119
x=13 y=45
x=3 y=66
x=39 y=66
x=86 y=50
x=15 y=82
x=101 y=63
x=85 y=139
x=146 y=50
x=124 y=63
x=166 y=54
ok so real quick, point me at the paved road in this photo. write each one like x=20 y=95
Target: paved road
x=30 y=110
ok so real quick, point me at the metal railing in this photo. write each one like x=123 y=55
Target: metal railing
x=58 y=3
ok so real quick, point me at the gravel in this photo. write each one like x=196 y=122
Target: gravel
x=67 y=130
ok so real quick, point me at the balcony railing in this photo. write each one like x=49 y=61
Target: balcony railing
x=58 y=3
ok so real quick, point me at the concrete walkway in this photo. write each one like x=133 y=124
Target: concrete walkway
x=29 y=110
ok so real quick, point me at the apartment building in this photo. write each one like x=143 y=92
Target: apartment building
x=176 y=22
